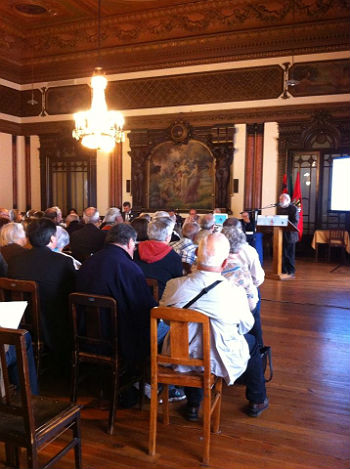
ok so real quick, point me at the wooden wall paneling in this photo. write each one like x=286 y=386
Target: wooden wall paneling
x=14 y=172
x=254 y=166
x=28 y=187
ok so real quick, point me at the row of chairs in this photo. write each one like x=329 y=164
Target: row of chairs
x=93 y=307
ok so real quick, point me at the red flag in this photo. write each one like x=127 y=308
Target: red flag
x=284 y=184
x=297 y=201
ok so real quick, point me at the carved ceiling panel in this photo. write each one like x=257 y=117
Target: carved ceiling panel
x=62 y=42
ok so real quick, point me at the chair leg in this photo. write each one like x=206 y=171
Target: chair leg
x=75 y=377
x=217 y=403
x=153 y=419
x=165 y=397
x=77 y=447
x=32 y=458
x=206 y=427
x=113 y=408
x=12 y=455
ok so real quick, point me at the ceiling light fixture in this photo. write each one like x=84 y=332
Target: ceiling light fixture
x=98 y=128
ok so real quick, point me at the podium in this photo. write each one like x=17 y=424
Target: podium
x=279 y=223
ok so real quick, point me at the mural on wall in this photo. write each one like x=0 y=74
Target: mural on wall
x=317 y=78
x=181 y=176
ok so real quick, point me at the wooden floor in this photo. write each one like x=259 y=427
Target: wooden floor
x=306 y=321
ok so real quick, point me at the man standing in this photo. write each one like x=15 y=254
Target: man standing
x=128 y=214
x=289 y=237
x=112 y=272
x=233 y=351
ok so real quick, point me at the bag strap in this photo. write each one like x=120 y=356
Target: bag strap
x=203 y=292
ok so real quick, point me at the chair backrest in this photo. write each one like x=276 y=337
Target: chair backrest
x=179 y=319
x=94 y=322
x=337 y=237
x=20 y=403
x=24 y=290
x=153 y=284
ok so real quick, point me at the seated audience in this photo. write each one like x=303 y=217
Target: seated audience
x=62 y=242
x=18 y=216
x=12 y=240
x=55 y=276
x=233 y=351
x=112 y=217
x=112 y=272
x=3 y=266
x=155 y=257
x=175 y=236
x=5 y=213
x=192 y=217
x=4 y=221
x=186 y=248
x=89 y=239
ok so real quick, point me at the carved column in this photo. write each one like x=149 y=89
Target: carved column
x=14 y=172
x=28 y=187
x=139 y=151
x=116 y=177
x=254 y=166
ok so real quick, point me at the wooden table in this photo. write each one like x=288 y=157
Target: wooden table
x=322 y=237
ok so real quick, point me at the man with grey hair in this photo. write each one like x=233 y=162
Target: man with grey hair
x=185 y=247
x=90 y=239
x=233 y=351
x=290 y=238
x=155 y=257
x=207 y=224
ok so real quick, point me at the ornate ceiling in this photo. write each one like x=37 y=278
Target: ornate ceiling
x=46 y=40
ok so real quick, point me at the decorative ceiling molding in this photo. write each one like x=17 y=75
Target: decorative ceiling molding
x=191 y=33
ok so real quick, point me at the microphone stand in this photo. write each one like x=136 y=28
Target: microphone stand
x=256 y=211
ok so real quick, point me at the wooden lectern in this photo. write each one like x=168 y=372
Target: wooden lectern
x=279 y=223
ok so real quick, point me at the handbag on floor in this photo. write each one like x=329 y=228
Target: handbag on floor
x=266 y=360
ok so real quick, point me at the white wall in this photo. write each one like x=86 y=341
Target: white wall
x=103 y=169
x=35 y=172
x=238 y=168
x=6 y=196
x=126 y=170
x=269 y=183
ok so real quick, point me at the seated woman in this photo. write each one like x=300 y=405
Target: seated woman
x=63 y=239
x=112 y=217
x=12 y=240
x=238 y=271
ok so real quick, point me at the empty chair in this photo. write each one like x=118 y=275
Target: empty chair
x=32 y=422
x=26 y=290
x=95 y=339
x=336 y=240
x=179 y=319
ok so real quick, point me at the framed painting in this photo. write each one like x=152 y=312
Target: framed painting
x=181 y=176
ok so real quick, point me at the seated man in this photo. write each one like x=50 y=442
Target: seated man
x=90 y=239
x=155 y=257
x=55 y=276
x=112 y=272
x=185 y=247
x=233 y=351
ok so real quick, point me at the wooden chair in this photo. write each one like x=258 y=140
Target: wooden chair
x=26 y=290
x=92 y=316
x=153 y=284
x=336 y=240
x=32 y=422
x=178 y=319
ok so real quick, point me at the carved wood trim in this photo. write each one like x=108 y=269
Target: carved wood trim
x=14 y=172
x=116 y=180
x=254 y=166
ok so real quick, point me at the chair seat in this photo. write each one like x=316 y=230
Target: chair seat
x=47 y=414
x=168 y=375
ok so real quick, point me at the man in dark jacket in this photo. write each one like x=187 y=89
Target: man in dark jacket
x=112 y=272
x=289 y=237
x=55 y=276
x=90 y=239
